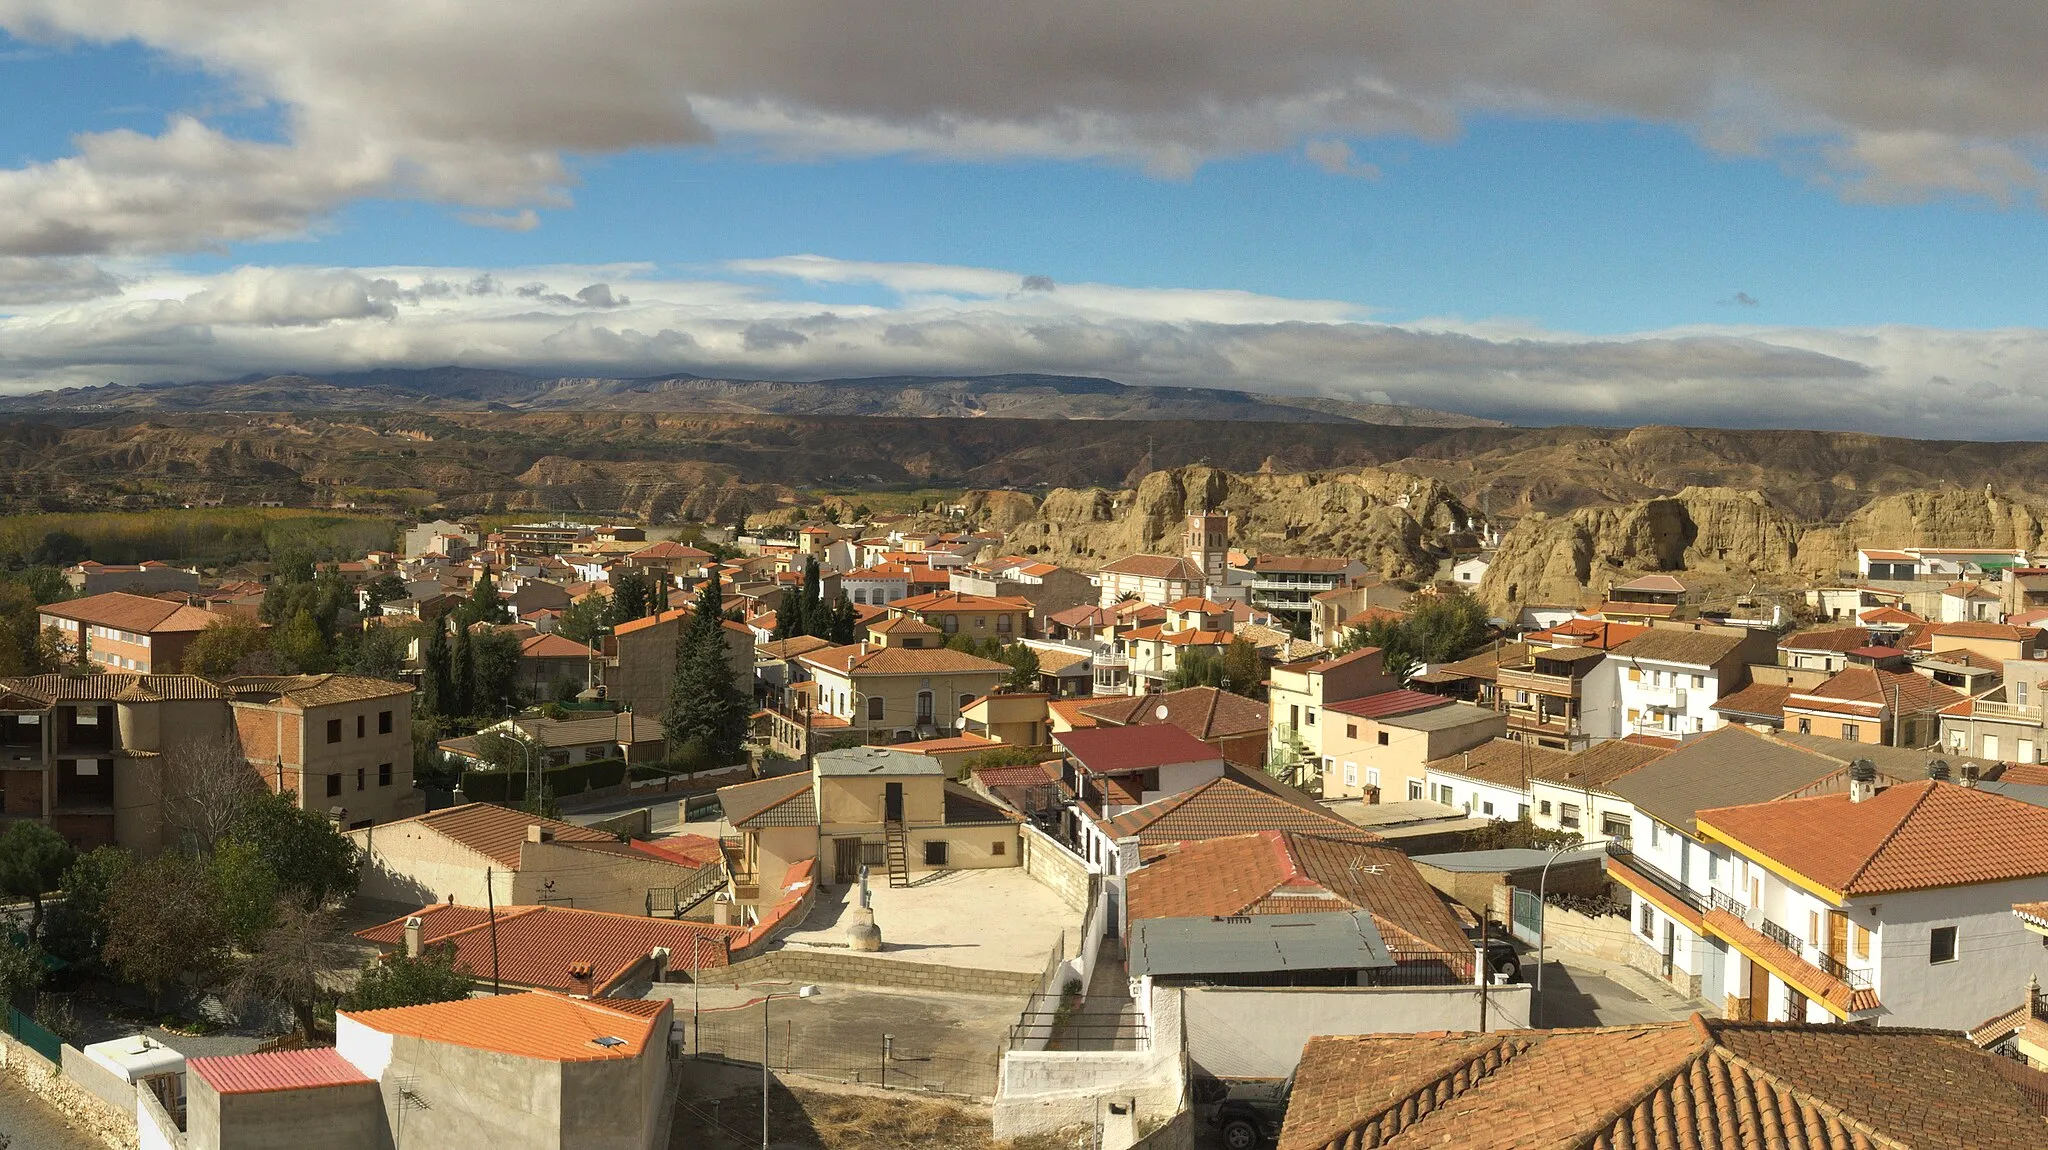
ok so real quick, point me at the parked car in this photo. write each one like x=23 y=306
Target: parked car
x=1503 y=960
x=1248 y=1112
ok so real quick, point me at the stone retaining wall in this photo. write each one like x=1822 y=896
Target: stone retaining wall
x=1060 y=869
x=865 y=970
x=42 y=1078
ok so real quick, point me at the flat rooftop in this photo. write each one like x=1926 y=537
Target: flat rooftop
x=999 y=919
x=875 y=761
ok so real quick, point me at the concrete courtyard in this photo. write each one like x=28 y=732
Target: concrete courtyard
x=977 y=919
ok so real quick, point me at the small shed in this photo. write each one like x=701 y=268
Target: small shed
x=139 y=1058
x=1329 y=949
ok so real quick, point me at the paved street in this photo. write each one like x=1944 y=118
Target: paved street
x=1581 y=991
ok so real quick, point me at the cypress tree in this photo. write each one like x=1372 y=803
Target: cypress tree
x=439 y=683
x=845 y=621
x=816 y=621
x=462 y=674
x=703 y=702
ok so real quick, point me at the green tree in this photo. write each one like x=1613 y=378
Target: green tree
x=629 y=599
x=1024 y=667
x=397 y=980
x=845 y=624
x=1445 y=626
x=503 y=751
x=384 y=589
x=379 y=652
x=812 y=614
x=249 y=891
x=78 y=924
x=303 y=646
x=495 y=679
x=21 y=972
x=164 y=924
x=224 y=647
x=288 y=964
x=703 y=701
x=483 y=604
x=21 y=648
x=438 y=679
x=585 y=620
x=315 y=863
x=462 y=672
x=1003 y=757
x=33 y=859
x=1244 y=672
x=1195 y=668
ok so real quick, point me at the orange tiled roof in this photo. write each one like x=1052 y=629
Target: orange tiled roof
x=532 y=1025
x=1221 y=807
x=544 y=947
x=1913 y=836
x=553 y=646
x=1156 y=567
x=1689 y=1085
x=1502 y=762
x=496 y=832
x=1841 y=999
x=125 y=612
x=1868 y=689
x=1204 y=712
x=861 y=658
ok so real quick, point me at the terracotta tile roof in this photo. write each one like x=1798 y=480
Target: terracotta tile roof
x=1102 y=750
x=783 y=801
x=1322 y=665
x=670 y=549
x=1596 y=634
x=792 y=647
x=1029 y=775
x=1598 y=766
x=1873 y=687
x=1290 y=872
x=669 y=616
x=438 y=920
x=305 y=1069
x=544 y=946
x=1083 y=616
x=1889 y=615
x=1969 y=591
x=1649 y=610
x=1204 y=712
x=1052 y=661
x=904 y=625
x=1487 y=664
x=1074 y=712
x=1386 y=704
x=553 y=646
x=1659 y=584
x=533 y=1025
x=960 y=601
x=1221 y=807
x=1940 y=631
x=1692 y=648
x=2025 y=774
x=1156 y=567
x=125 y=612
x=1756 y=699
x=1912 y=836
x=316 y=690
x=2032 y=912
x=1836 y=639
x=689 y=850
x=864 y=659
x=1502 y=762
x=1688 y=1085
x=496 y=832
x=1838 y=997
x=113 y=685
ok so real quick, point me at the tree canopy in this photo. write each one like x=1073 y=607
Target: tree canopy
x=704 y=703
x=33 y=859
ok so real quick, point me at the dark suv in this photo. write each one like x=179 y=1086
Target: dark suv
x=1247 y=1111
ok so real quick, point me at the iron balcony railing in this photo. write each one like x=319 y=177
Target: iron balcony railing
x=1723 y=901
x=1856 y=979
x=1780 y=935
x=1621 y=850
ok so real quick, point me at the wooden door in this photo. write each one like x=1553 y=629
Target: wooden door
x=1759 y=992
x=1838 y=938
x=892 y=802
x=845 y=859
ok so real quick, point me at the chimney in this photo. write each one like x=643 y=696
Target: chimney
x=1971 y=772
x=1862 y=780
x=658 y=958
x=2033 y=996
x=535 y=833
x=412 y=937
x=579 y=973
x=1938 y=770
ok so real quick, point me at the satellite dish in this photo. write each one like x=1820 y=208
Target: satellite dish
x=1160 y=712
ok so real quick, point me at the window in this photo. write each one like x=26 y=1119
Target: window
x=1351 y=730
x=1003 y=624
x=1350 y=774
x=383 y=722
x=592 y=754
x=1849 y=731
x=981 y=622
x=2025 y=751
x=1383 y=738
x=1862 y=943
x=874 y=709
x=1813 y=929
x=1646 y=922
x=1414 y=788
x=1372 y=776
x=935 y=852
x=1699 y=724
x=997 y=848
x=1311 y=716
x=360 y=774
x=1445 y=795
x=334 y=730
x=1713 y=866
x=1805 y=726
x=1543 y=808
x=1613 y=826
x=383 y=774
x=952 y=624
x=964 y=700
x=1654 y=833
x=2019 y=693
x=1991 y=747
x=1635 y=675
x=1941 y=944
x=1699 y=682
x=333 y=786
x=1568 y=816
x=361 y=722
x=1486 y=808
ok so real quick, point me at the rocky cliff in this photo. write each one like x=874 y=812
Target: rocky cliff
x=1395 y=522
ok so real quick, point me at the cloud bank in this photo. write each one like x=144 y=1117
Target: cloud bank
x=482 y=106
x=751 y=319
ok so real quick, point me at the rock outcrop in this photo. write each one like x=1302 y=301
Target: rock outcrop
x=1395 y=523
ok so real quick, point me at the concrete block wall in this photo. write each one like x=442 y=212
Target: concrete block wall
x=1060 y=869
x=1046 y=1092
x=39 y=1076
x=864 y=970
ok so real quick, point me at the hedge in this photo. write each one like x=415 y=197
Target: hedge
x=486 y=786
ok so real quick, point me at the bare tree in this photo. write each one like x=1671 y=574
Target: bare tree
x=205 y=785
x=297 y=964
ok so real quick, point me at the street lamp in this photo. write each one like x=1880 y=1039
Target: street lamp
x=1543 y=921
x=799 y=992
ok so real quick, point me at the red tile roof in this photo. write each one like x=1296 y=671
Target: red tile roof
x=862 y=658
x=1221 y=807
x=1204 y=712
x=1387 y=704
x=542 y=946
x=689 y=850
x=552 y=1027
x=1868 y=689
x=125 y=612
x=306 y=1069
x=1156 y=567
x=1913 y=836
x=496 y=832
x=553 y=646
x=1104 y=750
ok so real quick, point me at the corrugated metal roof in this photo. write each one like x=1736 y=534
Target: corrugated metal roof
x=309 y=1069
x=532 y=1025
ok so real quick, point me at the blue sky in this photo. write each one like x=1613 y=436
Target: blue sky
x=1521 y=218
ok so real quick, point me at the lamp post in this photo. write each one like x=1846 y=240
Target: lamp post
x=1543 y=922
x=800 y=992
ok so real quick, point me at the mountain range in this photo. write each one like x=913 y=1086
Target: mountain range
x=1020 y=396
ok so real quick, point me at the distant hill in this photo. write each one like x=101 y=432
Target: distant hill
x=892 y=396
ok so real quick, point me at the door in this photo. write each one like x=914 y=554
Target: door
x=845 y=860
x=1838 y=940
x=892 y=802
x=1759 y=992
x=924 y=707
x=1670 y=945
x=1713 y=970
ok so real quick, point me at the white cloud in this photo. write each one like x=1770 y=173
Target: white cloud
x=631 y=320
x=477 y=105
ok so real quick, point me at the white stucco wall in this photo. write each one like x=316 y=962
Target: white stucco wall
x=1258 y=1032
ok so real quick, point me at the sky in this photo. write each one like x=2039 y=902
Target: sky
x=1590 y=211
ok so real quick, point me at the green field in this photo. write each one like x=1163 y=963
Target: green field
x=213 y=536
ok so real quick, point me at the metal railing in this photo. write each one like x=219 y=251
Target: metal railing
x=1621 y=850
x=1856 y=979
x=1723 y=901
x=1780 y=935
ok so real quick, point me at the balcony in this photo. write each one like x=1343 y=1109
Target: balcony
x=1843 y=990
x=1560 y=686
x=2010 y=712
x=1620 y=851
x=1857 y=979
x=1780 y=935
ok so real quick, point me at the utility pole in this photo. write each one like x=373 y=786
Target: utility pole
x=491 y=910
x=1485 y=975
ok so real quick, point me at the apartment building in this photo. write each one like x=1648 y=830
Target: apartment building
x=1876 y=702
x=896 y=693
x=1884 y=904
x=342 y=743
x=1559 y=697
x=145 y=578
x=1286 y=585
x=643 y=657
x=1159 y=579
x=124 y=632
x=1297 y=693
x=1670 y=677
x=2006 y=724
x=979 y=617
x=1382 y=744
